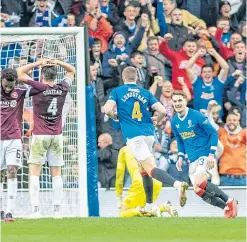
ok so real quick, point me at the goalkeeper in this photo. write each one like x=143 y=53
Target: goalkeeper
x=131 y=205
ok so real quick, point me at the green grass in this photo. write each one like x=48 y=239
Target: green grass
x=127 y=230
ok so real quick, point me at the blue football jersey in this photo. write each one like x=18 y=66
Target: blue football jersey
x=204 y=93
x=195 y=136
x=133 y=107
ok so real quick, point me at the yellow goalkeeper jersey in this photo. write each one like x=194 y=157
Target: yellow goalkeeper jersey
x=136 y=194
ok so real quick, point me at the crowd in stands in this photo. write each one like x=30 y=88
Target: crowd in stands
x=198 y=46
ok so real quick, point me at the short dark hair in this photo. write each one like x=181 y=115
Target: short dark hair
x=222 y=19
x=179 y=93
x=135 y=53
x=190 y=39
x=49 y=72
x=9 y=74
x=97 y=42
x=208 y=66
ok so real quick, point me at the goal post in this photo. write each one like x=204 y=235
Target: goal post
x=68 y=44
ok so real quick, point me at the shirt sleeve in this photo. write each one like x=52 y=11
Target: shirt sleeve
x=181 y=149
x=113 y=96
x=67 y=82
x=209 y=129
x=35 y=88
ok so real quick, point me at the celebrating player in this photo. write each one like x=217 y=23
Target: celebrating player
x=132 y=204
x=197 y=138
x=12 y=99
x=133 y=103
x=47 y=139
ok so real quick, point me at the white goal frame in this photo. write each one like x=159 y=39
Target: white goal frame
x=79 y=33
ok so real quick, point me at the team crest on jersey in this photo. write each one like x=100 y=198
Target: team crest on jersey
x=177 y=126
x=190 y=125
x=14 y=95
x=13 y=103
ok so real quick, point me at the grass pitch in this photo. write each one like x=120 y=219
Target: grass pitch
x=125 y=230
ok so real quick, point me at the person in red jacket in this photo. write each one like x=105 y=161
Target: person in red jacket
x=180 y=59
x=98 y=27
x=227 y=51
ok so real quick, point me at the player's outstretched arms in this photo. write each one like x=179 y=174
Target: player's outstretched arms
x=179 y=163
x=68 y=68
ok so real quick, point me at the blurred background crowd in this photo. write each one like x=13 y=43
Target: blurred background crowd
x=198 y=46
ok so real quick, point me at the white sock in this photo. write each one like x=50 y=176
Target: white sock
x=177 y=185
x=34 y=192
x=57 y=186
x=1 y=197
x=11 y=195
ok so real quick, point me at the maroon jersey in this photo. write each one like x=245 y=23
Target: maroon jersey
x=48 y=107
x=12 y=107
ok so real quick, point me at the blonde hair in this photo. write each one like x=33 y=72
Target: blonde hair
x=129 y=74
x=179 y=93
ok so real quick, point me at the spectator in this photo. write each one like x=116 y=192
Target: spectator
x=43 y=14
x=207 y=88
x=213 y=114
x=225 y=11
x=99 y=94
x=225 y=51
x=64 y=21
x=161 y=144
x=98 y=27
x=224 y=24
x=176 y=28
x=151 y=29
x=233 y=161
x=96 y=55
x=243 y=30
x=137 y=61
x=107 y=160
x=120 y=49
x=127 y=25
x=205 y=10
x=157 y=64
x=188 y=18
x=180 y=59
x=109 y=12
x=238 y=61
x=241 y=104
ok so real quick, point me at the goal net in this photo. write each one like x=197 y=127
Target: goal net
x=21 y=46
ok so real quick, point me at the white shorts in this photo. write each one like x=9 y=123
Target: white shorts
x=11 y=153
x=141 y=147
x=198 y=167
x=46 y=148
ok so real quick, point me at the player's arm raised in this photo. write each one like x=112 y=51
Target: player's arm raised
x=68 y=68
x=24 y=70
x=37 y=87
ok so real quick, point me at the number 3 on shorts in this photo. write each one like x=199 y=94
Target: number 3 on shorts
x=136 y=113
x=201 y=161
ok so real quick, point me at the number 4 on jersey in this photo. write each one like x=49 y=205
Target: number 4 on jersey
x=53 y=107
x=136 y=113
